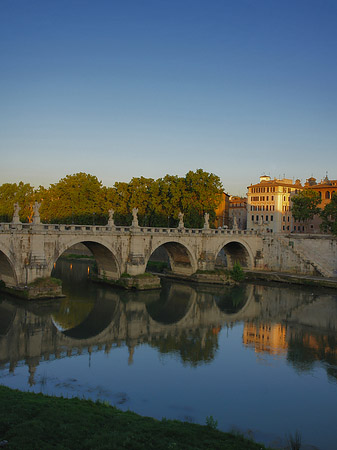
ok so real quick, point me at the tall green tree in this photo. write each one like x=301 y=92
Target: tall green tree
x=305 y=205
x=11 y=193
x=78 y=198
x=329 y=216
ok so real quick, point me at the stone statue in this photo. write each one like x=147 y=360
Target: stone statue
x=16 y=217
x=36 y=215
x=206 y=221
x=111 y=222
x=235 y=223
x=135 y=217
x=181 y=220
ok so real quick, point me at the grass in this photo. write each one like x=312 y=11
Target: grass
x=34 y=421
x=47 y=281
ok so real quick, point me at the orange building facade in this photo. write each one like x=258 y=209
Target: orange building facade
x=222 y=212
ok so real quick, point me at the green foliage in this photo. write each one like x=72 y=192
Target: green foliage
x=294 y=441
x=237 y=272
x=21 y=193
x=329 y=216
x=125 y=275
x=211 y=422
x=82 y=199
x=157 y=266
x=47 y=281
x=34 y=421
x=305 y=205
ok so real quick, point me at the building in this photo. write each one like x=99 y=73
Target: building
x=325 y=189
x=238 y=212
x=222 y=212
x=269 y=204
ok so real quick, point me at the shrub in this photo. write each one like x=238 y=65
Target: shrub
x=237 y=272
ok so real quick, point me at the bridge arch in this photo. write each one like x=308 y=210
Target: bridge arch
x=107 y=263
x=7 y=269
x=180 y=256
x=236 y=250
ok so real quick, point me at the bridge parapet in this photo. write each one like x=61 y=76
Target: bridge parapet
x=29 y=227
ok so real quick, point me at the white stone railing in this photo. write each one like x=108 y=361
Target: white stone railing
x=97 y=229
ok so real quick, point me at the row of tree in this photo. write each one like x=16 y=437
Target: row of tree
x=305 y=207
x=82 y=199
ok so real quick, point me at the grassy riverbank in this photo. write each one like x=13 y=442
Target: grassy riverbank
x=34 y=421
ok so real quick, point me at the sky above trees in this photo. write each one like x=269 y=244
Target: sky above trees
x=134 y=88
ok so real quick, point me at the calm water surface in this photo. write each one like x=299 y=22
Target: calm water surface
x=258 y=358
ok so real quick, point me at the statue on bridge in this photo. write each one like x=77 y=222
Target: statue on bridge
x=111 y=222
x=135 y=217
x=181 y=220
x=16 y=217
x=206 y=221
x=235 y=223
x=36 y=214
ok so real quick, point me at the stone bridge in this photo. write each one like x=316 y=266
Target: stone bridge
x=30 y=251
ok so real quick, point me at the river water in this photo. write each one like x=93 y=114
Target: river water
x=261 y=359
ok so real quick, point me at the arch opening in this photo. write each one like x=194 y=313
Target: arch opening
x=7 y=274
x=231 y=253
x=171 y=256
x=92 y=256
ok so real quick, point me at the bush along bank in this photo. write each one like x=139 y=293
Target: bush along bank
x=33 y=421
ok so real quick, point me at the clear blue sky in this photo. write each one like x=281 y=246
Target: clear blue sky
x=129 y=88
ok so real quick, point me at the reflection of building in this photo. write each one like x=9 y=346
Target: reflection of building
x=238 y=212
x=222 y=211
x=269 y=204
x=267 y=338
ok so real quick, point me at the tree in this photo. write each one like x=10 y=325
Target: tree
x=78 y=198
x=329 y=216
x=305 y=205
x=22 y=193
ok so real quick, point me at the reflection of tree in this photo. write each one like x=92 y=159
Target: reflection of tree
x=194 y=348
x=232 y=300
x=306 y=348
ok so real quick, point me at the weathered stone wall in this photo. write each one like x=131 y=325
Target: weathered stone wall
x=305 y=254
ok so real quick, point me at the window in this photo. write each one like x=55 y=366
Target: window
x=266 y=218
x=327 y=195
x=284 y=218
x=271 y=218
x=252 y=218
x=288 y=219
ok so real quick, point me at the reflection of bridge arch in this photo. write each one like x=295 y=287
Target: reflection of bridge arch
x=7 y=268
x=7 y=316
x=107 y=263
x=181 y=257
x=247 y=311
x=237 y=250
x=98 y=319
x=180 y=299
x=235 y=303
